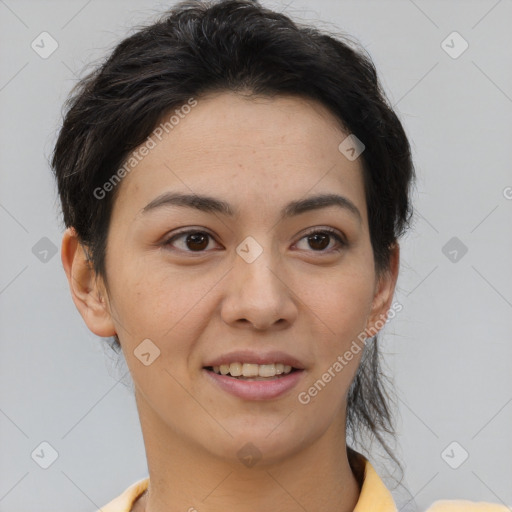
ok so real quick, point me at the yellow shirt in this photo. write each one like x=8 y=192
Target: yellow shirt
x=374 y=497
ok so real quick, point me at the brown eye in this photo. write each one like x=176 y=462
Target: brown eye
x=197 y=241
x=320 y=239
x=193 y=241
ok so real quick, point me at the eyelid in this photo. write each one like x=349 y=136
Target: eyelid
x=335 y=233
x=338 y=235
x=186 y=231
x=332 y=231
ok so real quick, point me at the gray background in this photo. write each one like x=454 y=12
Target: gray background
x=449 y=349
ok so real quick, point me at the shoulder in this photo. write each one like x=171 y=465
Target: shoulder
x=124 y=502
x=466 y=506
x=376 y=497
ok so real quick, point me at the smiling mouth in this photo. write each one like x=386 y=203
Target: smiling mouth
x=252 y=372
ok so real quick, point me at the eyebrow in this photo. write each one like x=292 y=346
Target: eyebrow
x=213 y=205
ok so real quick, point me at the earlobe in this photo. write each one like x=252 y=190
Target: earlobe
x=87 y=291
x=384 y=291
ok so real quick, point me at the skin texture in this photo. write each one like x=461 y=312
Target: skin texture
x=258 y=154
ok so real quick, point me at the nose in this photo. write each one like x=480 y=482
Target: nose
x=258 y=295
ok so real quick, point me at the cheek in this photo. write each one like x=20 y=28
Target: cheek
x=153 y=301
x=168 y=310
x=340 y=304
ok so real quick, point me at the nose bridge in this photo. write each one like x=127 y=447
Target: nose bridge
x=256 y=268
x=257 y=293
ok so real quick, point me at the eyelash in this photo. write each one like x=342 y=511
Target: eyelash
x=342 y=243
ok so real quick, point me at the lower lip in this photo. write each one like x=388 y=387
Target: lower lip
x=256 y=389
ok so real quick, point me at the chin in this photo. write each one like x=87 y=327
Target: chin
x=262 y=446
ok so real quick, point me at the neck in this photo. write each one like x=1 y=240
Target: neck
x=184 y=477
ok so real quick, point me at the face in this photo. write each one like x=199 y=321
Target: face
x=260 y=274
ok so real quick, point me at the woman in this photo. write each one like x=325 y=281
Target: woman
x=234 y=187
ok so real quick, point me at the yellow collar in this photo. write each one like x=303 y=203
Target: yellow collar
x=374 y=496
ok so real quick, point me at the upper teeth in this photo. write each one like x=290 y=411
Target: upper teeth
x=252 y=370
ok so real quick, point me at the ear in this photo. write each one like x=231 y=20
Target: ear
x=383 y=294
x=87 y=290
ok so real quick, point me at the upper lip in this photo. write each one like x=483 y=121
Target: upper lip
x=248 y=356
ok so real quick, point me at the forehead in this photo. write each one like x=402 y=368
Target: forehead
x=246 y=149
